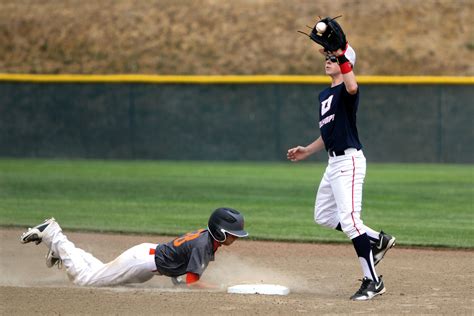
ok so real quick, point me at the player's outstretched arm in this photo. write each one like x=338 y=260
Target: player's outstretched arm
x=350 y=82
x=347 y=72
x=193 y=282
x=203 y=285
x=329 y=34
x=300 y=153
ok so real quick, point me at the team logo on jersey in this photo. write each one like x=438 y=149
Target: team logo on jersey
x=326 y=105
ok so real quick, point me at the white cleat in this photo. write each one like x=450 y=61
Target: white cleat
x=380 y=248
x=36 y=233
x=369 y=289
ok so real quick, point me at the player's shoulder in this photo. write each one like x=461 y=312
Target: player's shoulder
x=201 y=236
x=325 y=92
x=203 y=243
x=189 y=239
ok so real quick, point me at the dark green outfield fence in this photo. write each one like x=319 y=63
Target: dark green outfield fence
x=243 y=121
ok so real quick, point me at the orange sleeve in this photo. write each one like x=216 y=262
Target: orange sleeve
x=191 y=277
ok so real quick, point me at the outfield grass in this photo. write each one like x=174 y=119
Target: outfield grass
x=426 y=205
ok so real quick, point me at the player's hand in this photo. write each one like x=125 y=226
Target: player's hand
x=338 y=52
x=297 y=153
x=204 y=285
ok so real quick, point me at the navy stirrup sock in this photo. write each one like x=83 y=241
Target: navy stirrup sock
x=362 y=247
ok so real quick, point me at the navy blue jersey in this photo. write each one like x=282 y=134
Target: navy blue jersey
x=337 y=118
x=188 y=253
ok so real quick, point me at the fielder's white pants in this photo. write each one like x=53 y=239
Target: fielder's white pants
x=135 y=265
x=339 y=197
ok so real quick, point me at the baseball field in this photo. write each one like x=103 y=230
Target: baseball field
x=107 y=206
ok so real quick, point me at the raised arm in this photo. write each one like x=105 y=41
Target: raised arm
x=347 y=69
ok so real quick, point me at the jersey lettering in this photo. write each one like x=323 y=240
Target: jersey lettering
x=326 y=120
x=326 y=105
x=189 y=236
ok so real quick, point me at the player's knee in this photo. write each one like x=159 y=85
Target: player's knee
x=81 y=277
x=323 y=217
x=81 y=282
x=322 y=221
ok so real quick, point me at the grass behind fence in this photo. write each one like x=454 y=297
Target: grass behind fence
x=429 y=205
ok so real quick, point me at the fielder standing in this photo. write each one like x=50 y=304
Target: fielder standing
x=339 y=197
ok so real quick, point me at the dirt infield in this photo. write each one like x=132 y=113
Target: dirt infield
x=321 y=278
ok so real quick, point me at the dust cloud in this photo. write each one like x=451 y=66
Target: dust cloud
x=230 y=269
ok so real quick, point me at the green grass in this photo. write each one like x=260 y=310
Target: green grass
x=425 y=205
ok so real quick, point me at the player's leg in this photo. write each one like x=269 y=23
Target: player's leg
x=347 y=178
x=76 y=261
x=325 y=208
x=135 y=265
x=380 y=242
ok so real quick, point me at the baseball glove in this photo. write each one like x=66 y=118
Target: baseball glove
x=329 y=34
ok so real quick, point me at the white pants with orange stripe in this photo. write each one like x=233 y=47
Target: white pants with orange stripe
x=135 y=265
x=339 y=197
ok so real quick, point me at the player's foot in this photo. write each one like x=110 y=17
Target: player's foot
x=369 y=289
x=36 y=233
x=379 y=248
x=52 y=259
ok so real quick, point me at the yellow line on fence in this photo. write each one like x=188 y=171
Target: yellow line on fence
x=231 y=79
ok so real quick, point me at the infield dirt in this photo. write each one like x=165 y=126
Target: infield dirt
x=321 y=278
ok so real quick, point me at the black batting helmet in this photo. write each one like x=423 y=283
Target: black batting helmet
x=224 y=221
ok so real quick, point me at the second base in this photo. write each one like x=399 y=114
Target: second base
x=265 y=289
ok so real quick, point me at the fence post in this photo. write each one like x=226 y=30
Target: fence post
x=131 y=120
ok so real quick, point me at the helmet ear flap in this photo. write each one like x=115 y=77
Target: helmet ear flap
x=218 y=234
x=225 y=221
x=224 y=235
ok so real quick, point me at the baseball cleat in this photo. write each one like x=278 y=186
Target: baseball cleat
x=52 y=259
x=36 y=233
x=369 y=289
x=380 y=247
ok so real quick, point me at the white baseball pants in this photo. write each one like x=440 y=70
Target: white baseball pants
x=339 y=197
x=135 y=265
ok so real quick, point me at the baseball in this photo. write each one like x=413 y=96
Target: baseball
x=321 y=27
